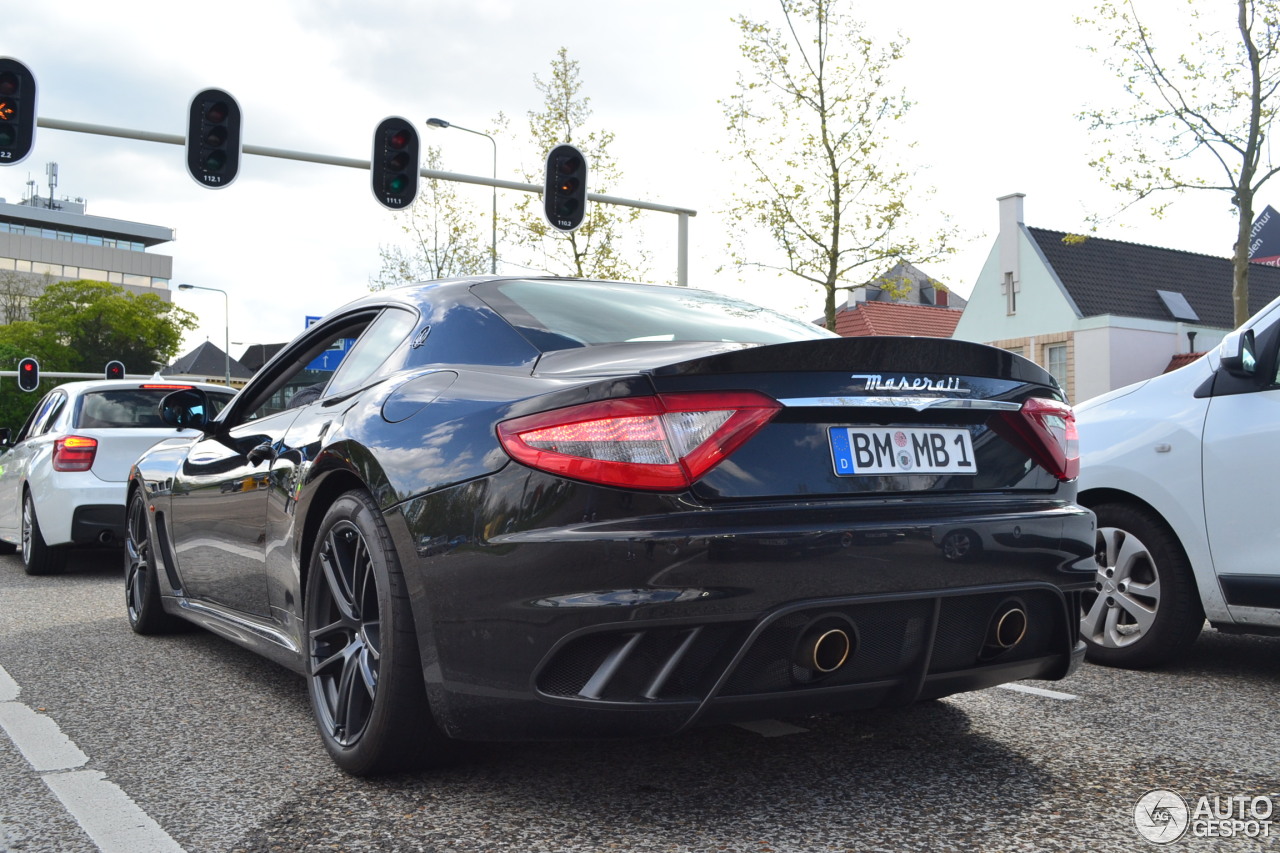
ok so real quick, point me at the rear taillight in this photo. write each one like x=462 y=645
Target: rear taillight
x=74 y=453
x=659 y=443
x=1046 y=431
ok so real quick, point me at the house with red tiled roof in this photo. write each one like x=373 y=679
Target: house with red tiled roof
x=904 y=301
x=896 y=318
x=1100 y=314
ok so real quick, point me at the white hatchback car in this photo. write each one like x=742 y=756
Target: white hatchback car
x=63 y=475
x=1181 y=471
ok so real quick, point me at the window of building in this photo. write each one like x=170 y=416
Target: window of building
x=1055 y=361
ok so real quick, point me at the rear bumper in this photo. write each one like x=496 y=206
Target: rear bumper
x=657 y=622
x=98 y=524
x=74 y=507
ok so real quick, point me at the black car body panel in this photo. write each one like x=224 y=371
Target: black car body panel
x=548 y=605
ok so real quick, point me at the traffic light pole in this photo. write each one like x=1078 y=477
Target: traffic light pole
x=682 y=213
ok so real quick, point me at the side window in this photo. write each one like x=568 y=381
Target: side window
x=43 y=415
x=301 y=371
x=383 y=337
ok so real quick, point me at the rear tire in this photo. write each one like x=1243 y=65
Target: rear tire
x=141 y=583
x=1145 y=608
x=364 y=674
x=37 y=557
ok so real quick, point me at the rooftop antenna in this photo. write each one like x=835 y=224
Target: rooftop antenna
x=51 y=169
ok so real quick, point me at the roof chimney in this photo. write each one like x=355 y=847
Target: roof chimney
x=1010 y=239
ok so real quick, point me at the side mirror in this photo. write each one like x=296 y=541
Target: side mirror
x=5 y=435
x=186 y=409
x=1238 y=356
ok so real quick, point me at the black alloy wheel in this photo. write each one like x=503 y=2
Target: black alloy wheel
x=141 y=585
x=37 y=557
x=365 y=680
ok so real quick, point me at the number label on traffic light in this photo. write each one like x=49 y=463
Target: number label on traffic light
x=564 y=195
x=394 y=164
x=213 y=138
x=28 y=374
x=17 y=111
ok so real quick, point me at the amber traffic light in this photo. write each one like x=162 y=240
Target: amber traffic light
x=564 y=196
x=17 y=111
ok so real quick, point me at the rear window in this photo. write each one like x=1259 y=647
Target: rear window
x=130 y=407
x=560 y=315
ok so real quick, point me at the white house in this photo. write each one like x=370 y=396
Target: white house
x=1100 y=314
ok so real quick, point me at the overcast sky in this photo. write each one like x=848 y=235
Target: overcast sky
x=997 y=85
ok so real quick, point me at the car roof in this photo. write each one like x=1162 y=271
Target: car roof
x=89 y=385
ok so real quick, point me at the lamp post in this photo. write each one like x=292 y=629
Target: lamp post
x=226 y=317
x=493 y=215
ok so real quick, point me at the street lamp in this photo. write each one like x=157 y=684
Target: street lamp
x=493 y=216
x=226 y=317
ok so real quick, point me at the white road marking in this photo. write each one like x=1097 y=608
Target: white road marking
x=39 y=739
x=771 y=728
x=108 y=815
x=1039 y=691
x=112 y=820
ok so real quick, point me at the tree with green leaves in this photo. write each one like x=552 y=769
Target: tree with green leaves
x=606 y=245
x=444 y=236
x=1204 y=107
x=78 y=326
x=815 y=125
x=98 y=322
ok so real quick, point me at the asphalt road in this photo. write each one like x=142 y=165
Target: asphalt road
x=114 y=742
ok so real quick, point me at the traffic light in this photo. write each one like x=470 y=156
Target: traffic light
x=28 y=374
x=213 y=138
x=564 y=196
x=115 y=370
x=395 y=163
x=17 y=111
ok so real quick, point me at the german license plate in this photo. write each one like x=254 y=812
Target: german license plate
x=858 y=451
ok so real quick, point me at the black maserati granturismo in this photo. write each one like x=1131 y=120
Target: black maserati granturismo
x=531 y=508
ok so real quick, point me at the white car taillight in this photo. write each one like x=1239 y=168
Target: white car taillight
x=74 y=453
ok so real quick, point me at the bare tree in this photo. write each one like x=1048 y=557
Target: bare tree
x=815 y=122
x=444 y=236
x=606 y=244
x=16 y=292
x=1201 y=108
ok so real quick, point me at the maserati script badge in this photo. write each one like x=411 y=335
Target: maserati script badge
x=877 y=382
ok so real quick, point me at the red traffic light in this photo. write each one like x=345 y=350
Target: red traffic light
x=115 y=370
x=28 y=374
